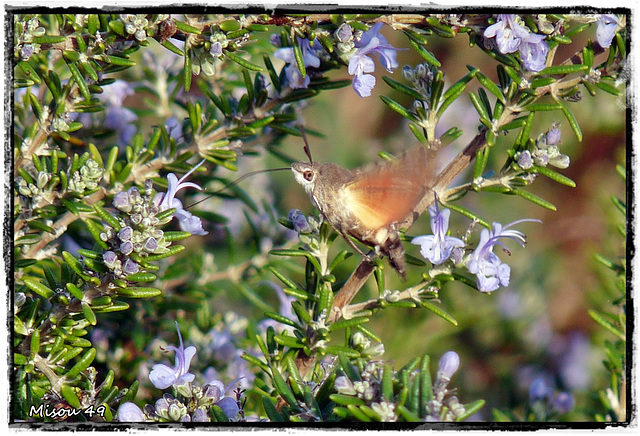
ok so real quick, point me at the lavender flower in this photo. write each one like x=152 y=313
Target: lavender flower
x=188 y=222
x=533 y=52
x=507 y=32
x=162 y=376
x=437 y=248
x=563 y=402
x=606 y=30
x=539 y=391
x=485 y=264
x=216 y=392
x=300 y=223
x=360 y=62
x=510 y=36
x=292 y=71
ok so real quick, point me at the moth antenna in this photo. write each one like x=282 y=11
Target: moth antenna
x=236 y=181
x=307 y=150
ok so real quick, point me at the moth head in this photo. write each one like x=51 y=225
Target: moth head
x=305 y=174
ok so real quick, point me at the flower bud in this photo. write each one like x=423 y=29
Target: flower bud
x=109 y=258
x=344 y=33
x=553 y=136
x=344 y=385
x=129 y=412
x=126 y=248
x=130 y=267
x=151 y=245
x=449 y=363
x=121 y=201
x=125 y=233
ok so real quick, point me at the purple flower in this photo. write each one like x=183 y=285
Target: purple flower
x=449 y=363
x=162 y=376
x=300 y=223
x=606 y=30
x=229 y=406
x=344 y=33
x=129 y=412
x=563 y=402
x=485 y=264
x=200 y=415
x=293 y=73
x=360 y=62
x=510 y=36
x=215 y=390
x=539 y=391
x=188 y=222
x=533 y=52
x=507 y=32
x=437 y=248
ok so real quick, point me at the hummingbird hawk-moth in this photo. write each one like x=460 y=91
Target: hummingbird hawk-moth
x=369 y=203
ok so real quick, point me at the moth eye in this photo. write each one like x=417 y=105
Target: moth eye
x=308 y=175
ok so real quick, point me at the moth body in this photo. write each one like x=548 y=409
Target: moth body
x=369 y=202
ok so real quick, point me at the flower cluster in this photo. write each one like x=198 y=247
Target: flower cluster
x=369 y=390
x=545 y=152
x=219 y=42
x=136 y=25
x=192 y=403
x=138 y=233
x=368 y=387
x=443 y=400
x=544 y=400
x=35 y=189
x=421 y=77
x=490 y=271
x=356 y=48
x=24 y=33
x=86 y=178
x=370 y=43
x=510 y=36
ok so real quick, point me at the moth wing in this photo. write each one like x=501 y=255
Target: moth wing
x=381 y=194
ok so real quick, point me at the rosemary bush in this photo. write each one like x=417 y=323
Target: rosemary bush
x=129 y=235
